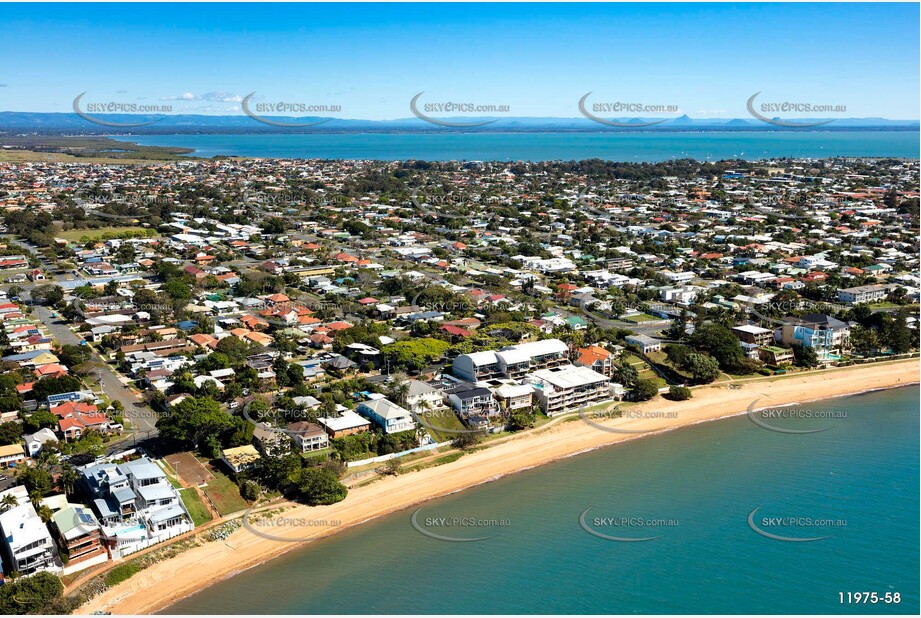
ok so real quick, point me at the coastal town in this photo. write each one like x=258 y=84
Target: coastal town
x=183 y=342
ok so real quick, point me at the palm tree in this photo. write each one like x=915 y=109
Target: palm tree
x=69 y=478
x=7 y=502
x=46 y=460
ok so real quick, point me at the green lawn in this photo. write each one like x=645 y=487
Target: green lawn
x=121 y=573
x=640 y=318
x=195 y=506
x=98 y=234
x=442 y=419
x=224 y=493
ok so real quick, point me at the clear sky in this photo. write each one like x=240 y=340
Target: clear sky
x=538 y=59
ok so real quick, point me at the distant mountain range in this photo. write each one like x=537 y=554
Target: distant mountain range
x=51 y=123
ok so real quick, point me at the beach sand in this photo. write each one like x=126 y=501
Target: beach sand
x=166 y=582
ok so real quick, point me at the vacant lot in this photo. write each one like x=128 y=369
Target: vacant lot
x=440 y=424
x=195 y=506
x=224 y=493
x=99 y=233
x=189 y=469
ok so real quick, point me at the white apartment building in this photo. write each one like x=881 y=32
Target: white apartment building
x=568 y=388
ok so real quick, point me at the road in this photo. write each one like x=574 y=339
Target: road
x=136 y=411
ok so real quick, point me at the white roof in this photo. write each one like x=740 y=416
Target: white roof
x=751 y=328
x=539 y=348
x=482 y=358
x=514 y=390
x=348 y=420
x=22 y=526
x=386 y=409
x=569 y=377
x=514 y=356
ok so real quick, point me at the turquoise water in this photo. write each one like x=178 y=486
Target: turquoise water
x=550 y=146
x=707 y=478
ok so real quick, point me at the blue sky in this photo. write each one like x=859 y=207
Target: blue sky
x=538 y=59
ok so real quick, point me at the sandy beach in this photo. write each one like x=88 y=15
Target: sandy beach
x=166 y=582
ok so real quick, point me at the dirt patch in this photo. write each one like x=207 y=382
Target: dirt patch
x=189 y=469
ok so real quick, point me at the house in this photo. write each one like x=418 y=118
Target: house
x=309 y=436
x=473 y=404
x=514 y=397
x=749 y=333
x=135 y=504
x=864 y=294
x=421 y=396
x=346 y=424
x=829 y=337
x=74 y=427
x=646 y=344
x=80 y=536
x=391 y=417
x=595 y=358
x=27 y=544
x=240 y=457
x=774 y=355
x=568 y=388
x=270 y=441
x=12 y=455
x=36 y=442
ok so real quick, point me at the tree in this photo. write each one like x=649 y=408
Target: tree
x=10 y=432
x=37 y=480
x=804 y=357
x=645 y=390
x=320 y=486
x=39 y=419
x=415 y=353
x=48 y=294
x=193 y=421
x=468 y=439
x=896 y=334
x=679 y=393
x=53 y=386
x=40 y=593
x=177 y=290
x=704 y=369
x=864 y=340
x=625 y=374
x=68 y=479
x=7 y=502
x=720 y=343
x=523 y=418
x=73 y=355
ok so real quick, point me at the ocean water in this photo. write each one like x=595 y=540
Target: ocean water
x=634 y=147
x=706 y=480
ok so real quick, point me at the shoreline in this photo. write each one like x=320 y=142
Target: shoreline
x=167 y=582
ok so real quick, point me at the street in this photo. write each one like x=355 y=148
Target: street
x=136 y=411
